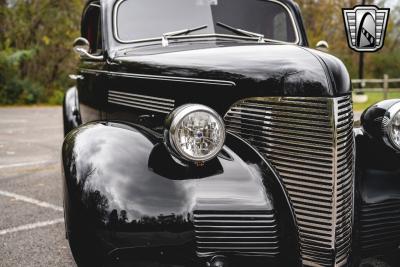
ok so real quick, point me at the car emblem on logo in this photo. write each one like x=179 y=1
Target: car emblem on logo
x=366 y=27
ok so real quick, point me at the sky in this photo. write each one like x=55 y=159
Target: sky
x=391 y=3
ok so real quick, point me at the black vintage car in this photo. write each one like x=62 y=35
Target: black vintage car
x=208 y=133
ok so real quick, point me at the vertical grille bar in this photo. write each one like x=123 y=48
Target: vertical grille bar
x=344 y=178
x=310 y=142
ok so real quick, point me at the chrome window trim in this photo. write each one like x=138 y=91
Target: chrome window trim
x=116 y=36
x=291 y=18
x=158 y=77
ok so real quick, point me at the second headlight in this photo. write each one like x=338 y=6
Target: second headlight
x=195 y=132
x=392 y=126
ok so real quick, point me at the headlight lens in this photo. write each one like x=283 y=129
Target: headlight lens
x=196 y=132
x=394 y=130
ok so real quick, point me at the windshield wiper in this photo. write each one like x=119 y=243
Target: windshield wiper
x=242 y=32
x=180 y=32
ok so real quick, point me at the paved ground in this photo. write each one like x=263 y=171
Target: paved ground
x=31 y=220
x=357 y=116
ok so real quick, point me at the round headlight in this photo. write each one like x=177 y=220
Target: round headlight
x=195 y=132
x=391 y=126
x=394 y=129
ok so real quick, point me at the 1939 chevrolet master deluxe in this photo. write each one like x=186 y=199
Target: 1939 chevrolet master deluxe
x=207 y=133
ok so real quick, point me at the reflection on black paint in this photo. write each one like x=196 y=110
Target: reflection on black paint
x=133 y=175
x=163 y=163
x=130 y=206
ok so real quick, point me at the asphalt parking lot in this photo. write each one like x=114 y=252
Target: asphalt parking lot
x=31 y=220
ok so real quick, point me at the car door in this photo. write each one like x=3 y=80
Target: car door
x=91 y=86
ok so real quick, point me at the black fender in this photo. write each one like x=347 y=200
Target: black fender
x=377 y=206
x=122 y=181
x=71 y=113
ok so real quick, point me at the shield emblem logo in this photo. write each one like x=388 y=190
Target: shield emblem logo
x=366 y=27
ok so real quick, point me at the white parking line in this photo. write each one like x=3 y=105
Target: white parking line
x=31 y=201
x=3 y=121
x=30 y=226
x=27 y=164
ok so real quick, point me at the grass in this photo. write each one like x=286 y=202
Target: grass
x=374 y=97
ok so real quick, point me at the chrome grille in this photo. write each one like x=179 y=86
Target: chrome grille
x=143 y=102
x=310 y=142
x=236 y=232
x=380 y=226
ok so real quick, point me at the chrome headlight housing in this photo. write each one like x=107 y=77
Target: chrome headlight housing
x=195 y=132
x=391 y=125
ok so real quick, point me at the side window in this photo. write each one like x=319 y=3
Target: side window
x=280 y=26
x=91 y=28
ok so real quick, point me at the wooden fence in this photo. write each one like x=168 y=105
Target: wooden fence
x=377 y=85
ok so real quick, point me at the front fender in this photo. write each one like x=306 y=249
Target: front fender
x=377 y=197
x=123 y=182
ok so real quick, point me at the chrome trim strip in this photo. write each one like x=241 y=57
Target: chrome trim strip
x=238 y=242
x=236 y=226
x=143 y=99
x=138 y=107
x=235 y=232
x=241 y=248
x=116 y=36
x=252 y=233
x=158 y=77
x=144 y=102
x=233 y=221
x=234 y=237
x=138 y=104
x=244 y=216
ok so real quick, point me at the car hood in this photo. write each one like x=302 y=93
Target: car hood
x=260 y=69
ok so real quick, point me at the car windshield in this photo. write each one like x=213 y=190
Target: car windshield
x=147 y=19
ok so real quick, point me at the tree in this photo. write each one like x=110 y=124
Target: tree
x=44 y=30
x=324 y=21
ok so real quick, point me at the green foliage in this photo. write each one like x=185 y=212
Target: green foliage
x=324 y=21
x=386 y=63
x=13 y=87
x=35 y=49
x=373 y=98
x=57 y=97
